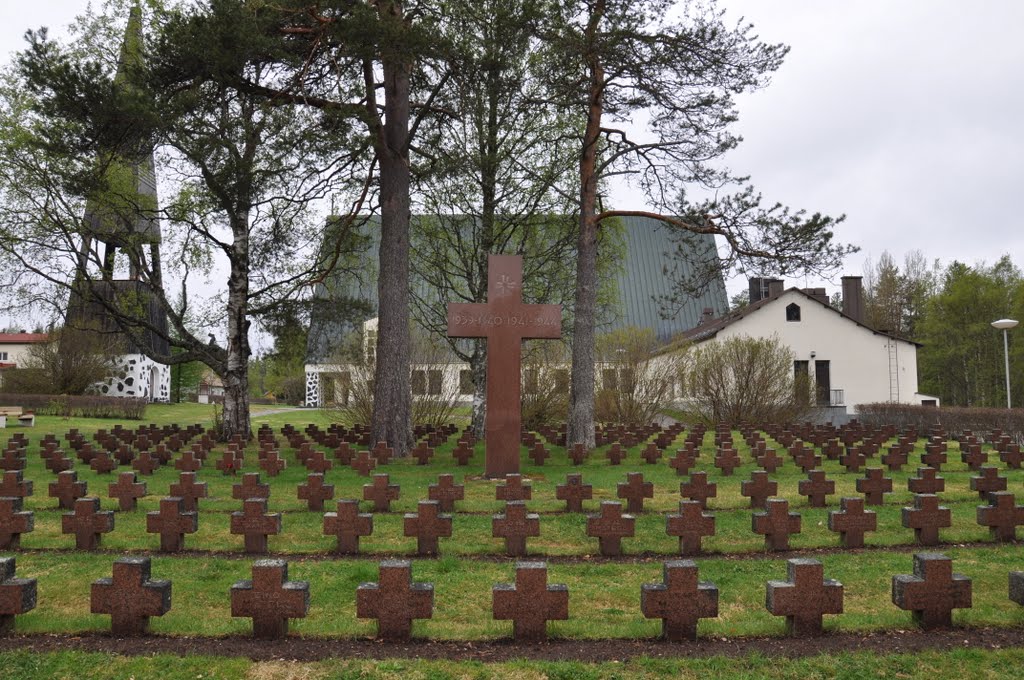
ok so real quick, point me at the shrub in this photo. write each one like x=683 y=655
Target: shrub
x=954 y=419
x=744 y=379
x=78 y=406
x=544 y=393
x=636 y=377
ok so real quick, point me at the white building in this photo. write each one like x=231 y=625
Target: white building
x=14 y=347
x=847 y=362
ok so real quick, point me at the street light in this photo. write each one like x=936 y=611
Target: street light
x=1005 y=325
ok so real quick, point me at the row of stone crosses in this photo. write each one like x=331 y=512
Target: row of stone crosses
x=131 y=597
x=772 y=518
x=132 y=447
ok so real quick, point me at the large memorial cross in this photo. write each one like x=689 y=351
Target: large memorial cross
x=505 y=321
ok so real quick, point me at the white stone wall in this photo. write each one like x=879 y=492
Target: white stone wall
x=138 y=376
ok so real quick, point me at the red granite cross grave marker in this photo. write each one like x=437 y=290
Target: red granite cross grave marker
x=102 y=463
x=14 y=485
x=505 y=321
x=146 y=463
x=88 y=523
x=364 y=463
x=610 y=527
x=852 y=521
x=769 y=460
x=255 y=523
x=973 y=456
x=427 y=525
x=446 y=492
x=776 y=523
x=515 y=525
x=690 y=525
x=513 y=489
x=531 y=602
x=615 y=454
x=698 y=488
x=683 y=461
x=250 y=487
x=17 y=595
x=816 y=487
x=318 y=462
x=270 y=599
x=172 y=522
x=538 y=454
x=67 y=489
x=314 y=491
x=13 y=522
x=130 y=597
x=381 y=492
x=651 y=454
x=804 y=597
x=422 y=453
x=926 y=518
x=927 y=481
x=1001 y=516
x=574 y=492
x=933 y=591
x=189 y=490
x=874 y=485
x=188 y=462
x=1012 y=456
x=758 y=488
x=634 y=490
x=395 y=600
x=127 y=490
x=988 y=481
x=347 y=525
x=679 y=601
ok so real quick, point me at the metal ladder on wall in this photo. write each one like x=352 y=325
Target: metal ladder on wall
x=894 y=370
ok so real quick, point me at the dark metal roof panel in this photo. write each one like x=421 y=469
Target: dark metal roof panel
x=644 y=279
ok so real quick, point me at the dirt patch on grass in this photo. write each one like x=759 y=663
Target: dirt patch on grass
x=315 y=649
x=637 y=558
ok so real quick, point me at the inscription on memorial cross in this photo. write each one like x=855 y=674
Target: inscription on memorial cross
x=505 y=321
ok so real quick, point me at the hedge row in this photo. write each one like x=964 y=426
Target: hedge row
x=954 y=419
x=84 y=406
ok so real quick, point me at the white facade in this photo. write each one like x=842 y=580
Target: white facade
x=138 y=376
x=14 y=347
x=864 y=366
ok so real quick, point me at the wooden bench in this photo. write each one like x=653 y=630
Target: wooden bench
x=27 y=418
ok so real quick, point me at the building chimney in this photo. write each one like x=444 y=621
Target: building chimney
x=707 y=315
x=775 y=287
x=818 y=294
x=758 y=289
x=853 y=298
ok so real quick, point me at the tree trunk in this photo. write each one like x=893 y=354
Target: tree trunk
x=581 y=394
x=478 y=367
x=236 y=374
x=392 y=397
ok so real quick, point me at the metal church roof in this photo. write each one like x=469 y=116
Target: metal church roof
x=646 y=275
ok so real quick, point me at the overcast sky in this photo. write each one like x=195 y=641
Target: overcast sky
x=904 y=115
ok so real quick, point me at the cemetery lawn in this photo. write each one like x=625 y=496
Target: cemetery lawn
x=936 y=665
x=604 y=593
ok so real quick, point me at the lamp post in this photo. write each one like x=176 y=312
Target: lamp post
x=1005 y=325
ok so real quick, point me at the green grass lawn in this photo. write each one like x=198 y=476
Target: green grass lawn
x=604 y=595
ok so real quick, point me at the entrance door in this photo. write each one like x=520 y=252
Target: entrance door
x=823 y=383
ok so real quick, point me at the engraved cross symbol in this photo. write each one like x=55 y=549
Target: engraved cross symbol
x=506 y=284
